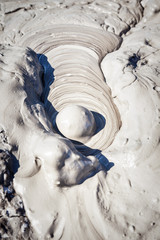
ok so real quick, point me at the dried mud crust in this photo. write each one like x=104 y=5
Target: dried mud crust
x=13 y=221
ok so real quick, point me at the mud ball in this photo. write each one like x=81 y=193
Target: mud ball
x=76 y=123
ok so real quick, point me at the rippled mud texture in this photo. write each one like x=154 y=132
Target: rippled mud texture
x=30 y=135
x=69 y=41
x=41 y=153
x=82 y=82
